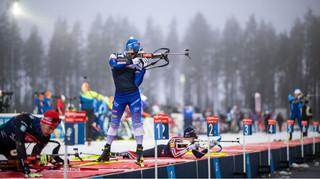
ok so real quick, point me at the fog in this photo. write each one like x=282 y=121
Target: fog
x=43 y=14
x=238 y=48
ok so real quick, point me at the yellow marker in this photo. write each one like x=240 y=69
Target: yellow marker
x=96 y=163
x=211 y=154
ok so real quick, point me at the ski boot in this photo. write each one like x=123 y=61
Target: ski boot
x=139 y=155
x=290 y=137
x=105 y=156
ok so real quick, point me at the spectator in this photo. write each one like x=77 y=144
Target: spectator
x=60 y=105
x=39 y=104
x=188 y=116
x=99 y=113
x=306 y=113
x=156 y=109
x=280 y=121
x=235 y=119
x=47 y=103
x=144 y=100
x=228 y=120
x=86 y=104
x=267 y=116
x=1 y=102
x=256 y=119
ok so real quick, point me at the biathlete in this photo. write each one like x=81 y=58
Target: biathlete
x=295 y=107
x=26 y=128
x=127 y=75
x=176 y=147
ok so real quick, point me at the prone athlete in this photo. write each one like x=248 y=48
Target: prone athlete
x=176 y=147
x=27 y=128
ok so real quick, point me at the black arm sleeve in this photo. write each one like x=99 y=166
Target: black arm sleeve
x=22 y=122
x=38 y=148
x=199 y=154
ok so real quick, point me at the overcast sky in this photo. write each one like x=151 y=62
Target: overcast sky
x=44 y=13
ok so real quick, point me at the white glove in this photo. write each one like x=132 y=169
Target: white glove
x=136 y=61
x=193 y=147
x=213 y=143
x=113 y=56
x=144 y=61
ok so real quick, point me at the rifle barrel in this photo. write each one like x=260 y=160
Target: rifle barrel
x=177 y=54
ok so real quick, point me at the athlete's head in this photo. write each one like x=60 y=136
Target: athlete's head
x=48 y=94
x=49 y=122
x=84 y=87
x=63 y=98
x=297 y=92
x=190 y=132
x=132 y=46
x=40 y=97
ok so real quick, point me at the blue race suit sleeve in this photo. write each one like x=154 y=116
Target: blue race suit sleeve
x=291 y=98
x=138 y=77
x=114 y=63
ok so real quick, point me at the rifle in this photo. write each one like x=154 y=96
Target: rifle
x=204 y=143
x=76 y=153
x=160 y=54
x=219 y=140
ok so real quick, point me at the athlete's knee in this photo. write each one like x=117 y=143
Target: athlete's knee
x=112 y=131
x=138 y=129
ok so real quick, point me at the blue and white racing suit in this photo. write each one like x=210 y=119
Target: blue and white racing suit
x=295 y=109
x=127 y=78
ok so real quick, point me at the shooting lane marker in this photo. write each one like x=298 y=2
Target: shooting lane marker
x=212 y=130
x=290 y=124
x=304 y=129
x=272 y=123
x=74 y=134
x=247 y=130
x=161 y=132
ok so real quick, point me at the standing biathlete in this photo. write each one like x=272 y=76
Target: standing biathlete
x=26 y=128
x=127 y=76
x=295 y=107
x=176 y=147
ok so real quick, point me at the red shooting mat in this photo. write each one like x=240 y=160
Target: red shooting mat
x=123 y=165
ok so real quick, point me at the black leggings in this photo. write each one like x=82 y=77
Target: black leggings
x=89 y=122
x=162 y=152
x=5 y=150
